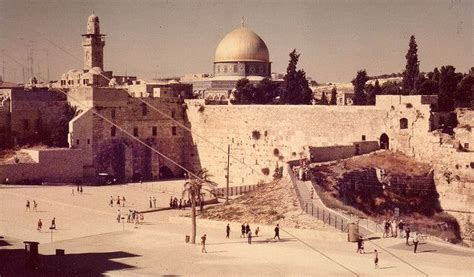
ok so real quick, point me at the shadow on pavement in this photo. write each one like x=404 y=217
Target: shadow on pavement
x=254 y=241
x=12 y=263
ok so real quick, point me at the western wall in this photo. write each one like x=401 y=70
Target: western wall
x=266 y=135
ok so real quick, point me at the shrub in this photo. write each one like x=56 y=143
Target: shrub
x=409 y=105
x=256 y=134
x=266 y=171
x=276 y=152
x=201 y=108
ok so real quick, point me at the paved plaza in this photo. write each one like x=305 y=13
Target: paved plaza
x=96 y=244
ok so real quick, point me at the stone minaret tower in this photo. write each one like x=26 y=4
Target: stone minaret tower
x=93 y=42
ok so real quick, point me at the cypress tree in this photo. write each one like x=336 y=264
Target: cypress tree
x=412 y=68
x=359 y=86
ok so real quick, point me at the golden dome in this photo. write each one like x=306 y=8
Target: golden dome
x=242 y=45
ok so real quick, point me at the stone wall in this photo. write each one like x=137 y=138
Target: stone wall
x=255 y=133
x=49 y=165
x=337 y=152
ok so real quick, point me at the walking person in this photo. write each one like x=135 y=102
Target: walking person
x=360 y=245
x=118 y=200
x=40 y=225
x=249 y=236
x=35 y=206
x=376 y=258
x=400 y=228
x=247 y=229
x=203 y=243
x=151 y=203
x=111 y=204
x=28 y=205
x=407 y=233
x=256 y=231
x=123 y=201
x=53 y=223
x=242 y=229
x=416 y=240
x=154 y=202
x=227 y=231
x=277 y=232
x=118 y=217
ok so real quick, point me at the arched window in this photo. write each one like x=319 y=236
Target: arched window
x=403 y=123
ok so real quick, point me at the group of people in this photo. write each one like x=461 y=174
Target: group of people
x=391 y=228
x=246 y=232
x=120 y=201
x=181 y=204
x=78 y=188
x=133 y=216
x=28 y=206
x=302 y=171
x=40 y=224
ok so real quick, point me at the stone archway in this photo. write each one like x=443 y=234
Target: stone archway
x=384 y=142
x=165 y=173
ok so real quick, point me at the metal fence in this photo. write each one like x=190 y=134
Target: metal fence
x=234 y=190
x=320 y=212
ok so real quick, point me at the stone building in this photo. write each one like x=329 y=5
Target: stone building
x=27 y=115
x=240 y=54
x=124 y=148
x=93 y=73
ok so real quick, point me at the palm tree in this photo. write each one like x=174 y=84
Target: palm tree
x=193 y=187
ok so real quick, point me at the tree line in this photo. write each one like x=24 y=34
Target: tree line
x=293 y=90
x=454 y=89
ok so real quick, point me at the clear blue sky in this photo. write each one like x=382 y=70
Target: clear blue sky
x=171 y=38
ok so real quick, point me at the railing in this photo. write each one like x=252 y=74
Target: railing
x=317 y=210
x=234 y=190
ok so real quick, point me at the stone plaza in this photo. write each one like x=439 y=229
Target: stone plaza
x=95 y=243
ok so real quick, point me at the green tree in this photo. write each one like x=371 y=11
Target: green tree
x=333 y=100
x=243 y=93
x=246 y=93
x=412 y=68
x=193 y=188
x=448 y=80
x=372 y=92
x=59 y=132
x=265 y=92
x=295 y=89
x=464 y=92
x=391 y=88
x=359 y=84
x=324 y=99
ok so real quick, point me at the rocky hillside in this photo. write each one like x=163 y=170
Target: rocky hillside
x=374 y=185
x=271 y=203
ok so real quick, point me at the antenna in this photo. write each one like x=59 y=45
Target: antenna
x=47 y=64
x=3 y=64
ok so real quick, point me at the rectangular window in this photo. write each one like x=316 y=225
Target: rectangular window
x=173 y=131
x=77 y=141
x=135 y=132
x=363 y=137
x=88 y=141
x=113 y=130
x=144 y=109
x=26 y=125
x=172 y=114
x=112 y=113
x=154 y=131
x=466 y=145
